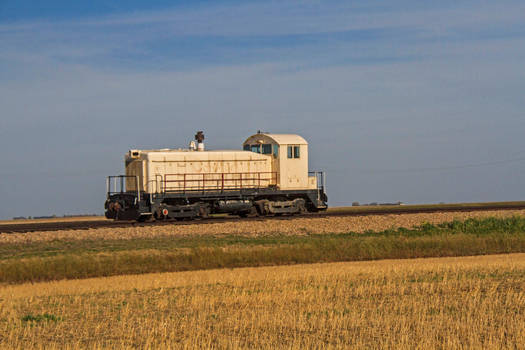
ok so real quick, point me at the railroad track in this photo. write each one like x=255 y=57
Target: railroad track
x=346 y=211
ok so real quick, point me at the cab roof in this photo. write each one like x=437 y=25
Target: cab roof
x=280 y=139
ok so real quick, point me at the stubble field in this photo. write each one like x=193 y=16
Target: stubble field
x=241 y=298
x=440 y=303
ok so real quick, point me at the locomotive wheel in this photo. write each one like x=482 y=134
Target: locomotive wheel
x=161 y=214
x=204 y=211
x=302 y=207
x=254 y=212
x=261 y=207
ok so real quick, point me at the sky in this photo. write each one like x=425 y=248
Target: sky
x=412 y=101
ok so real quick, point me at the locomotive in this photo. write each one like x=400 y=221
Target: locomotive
x=269 y=176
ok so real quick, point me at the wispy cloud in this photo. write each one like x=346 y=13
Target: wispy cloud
x=299 y=17
x=264 y=32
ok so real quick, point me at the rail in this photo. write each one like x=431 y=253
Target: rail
x=218 y=182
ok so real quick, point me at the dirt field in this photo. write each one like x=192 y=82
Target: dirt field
x=452 y=303
x=268 y=227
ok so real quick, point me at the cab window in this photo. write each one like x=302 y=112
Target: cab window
x=266 y=149
x=294 y=151
x=256 y=148
x=246 y=147
x=275 y=151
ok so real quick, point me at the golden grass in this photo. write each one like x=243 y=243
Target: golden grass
x=300 y=226
x=446 y=303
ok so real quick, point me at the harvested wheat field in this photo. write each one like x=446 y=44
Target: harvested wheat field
x=444 y=303
x=300 y=226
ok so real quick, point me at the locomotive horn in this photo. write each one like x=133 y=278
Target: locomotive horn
x=199 y=136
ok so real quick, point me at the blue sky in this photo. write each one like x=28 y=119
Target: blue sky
x=414 y=101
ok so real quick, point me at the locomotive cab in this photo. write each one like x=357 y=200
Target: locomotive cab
x=289 y=158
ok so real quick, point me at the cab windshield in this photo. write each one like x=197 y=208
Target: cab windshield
x=259 y=148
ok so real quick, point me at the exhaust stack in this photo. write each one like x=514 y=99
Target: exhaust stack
x=199 y=137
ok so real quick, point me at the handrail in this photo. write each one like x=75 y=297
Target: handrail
x=217 y=181
x=320 y=182
x=123 y=184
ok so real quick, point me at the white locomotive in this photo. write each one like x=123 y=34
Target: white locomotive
x=268 y=177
